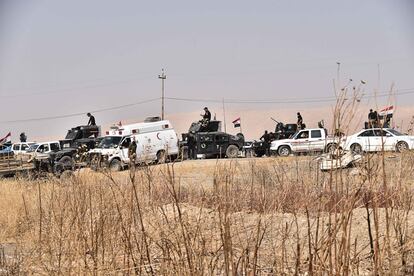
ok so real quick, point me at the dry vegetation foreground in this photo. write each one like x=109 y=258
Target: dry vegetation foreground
x=267 y=216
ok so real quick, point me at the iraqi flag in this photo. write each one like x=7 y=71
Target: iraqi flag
x=237 y=122
x=387 y=111
x=4 y=139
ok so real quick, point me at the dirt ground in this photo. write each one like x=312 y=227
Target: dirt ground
x=268 y=216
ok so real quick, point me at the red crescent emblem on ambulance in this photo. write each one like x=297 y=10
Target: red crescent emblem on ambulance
x=158 y=136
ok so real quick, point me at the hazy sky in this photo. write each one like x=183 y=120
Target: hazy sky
x=68 y=57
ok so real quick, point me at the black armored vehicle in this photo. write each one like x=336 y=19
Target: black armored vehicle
x=282 y=131
x=78 y=141
x=207 y=140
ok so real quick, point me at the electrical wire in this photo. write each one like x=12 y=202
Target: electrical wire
x=226 y=101
x=80 y=113
x=291 y=100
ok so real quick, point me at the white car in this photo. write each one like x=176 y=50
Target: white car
x=44 y=147
x=18 y=148
x=305 y=141
x=377 y=139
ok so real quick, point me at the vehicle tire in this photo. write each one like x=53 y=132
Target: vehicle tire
x=161 y=157
x=356 y=148
x=284 y=151
x=330 y=148
x=260 y=154
x=402 y=146
x=232 y=151
x=67 y=162
x=115 y=165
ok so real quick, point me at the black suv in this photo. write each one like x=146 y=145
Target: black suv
x=208 y=140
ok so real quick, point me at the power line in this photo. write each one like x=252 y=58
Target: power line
x=227 y=101
x=291 y=100
x=80 y=113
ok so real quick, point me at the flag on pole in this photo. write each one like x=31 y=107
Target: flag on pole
x=4 y=139
x=237 y=122
x=387 y=110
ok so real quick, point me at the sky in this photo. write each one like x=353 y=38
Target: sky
x=66 y=58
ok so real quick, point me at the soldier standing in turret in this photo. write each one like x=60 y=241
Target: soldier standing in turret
x=300 y=121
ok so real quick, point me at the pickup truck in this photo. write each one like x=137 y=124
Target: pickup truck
x=306 y=140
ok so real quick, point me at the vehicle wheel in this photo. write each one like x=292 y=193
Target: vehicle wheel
x=115 y=165
x=161 y=157
x=67 y=162
x=260 y=154
x=284 y=151
x=232 y=151
x=402 y=146
x=330 y=148
x=356 y=148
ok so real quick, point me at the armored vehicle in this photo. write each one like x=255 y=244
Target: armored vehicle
x=207 y=140
x=282 y=131
x=78 y=141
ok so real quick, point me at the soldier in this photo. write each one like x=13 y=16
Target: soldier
x=23 y=137
x=300 y=121
x=191 y=143
x=372 y=118
x=266 y=142
x=132 y=151
x=91 y=121
x=207 y=115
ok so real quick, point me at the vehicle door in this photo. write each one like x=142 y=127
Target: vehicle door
x=172 y=144
x=24 y=147
x=300 y=142
x=43 y=148
x=367 y=140
x=384 y=140
x=54 y=147
x=205 y=143
x=123 y=148
x=221 y=142
x=16 y=148
x=317 y=140
x=139 y=139
x=148 y=148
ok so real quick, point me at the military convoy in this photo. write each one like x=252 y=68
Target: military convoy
x=206 y=139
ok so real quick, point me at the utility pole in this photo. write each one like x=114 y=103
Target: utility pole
x=162 y=77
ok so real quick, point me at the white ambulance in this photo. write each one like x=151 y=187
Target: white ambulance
x=156 y=142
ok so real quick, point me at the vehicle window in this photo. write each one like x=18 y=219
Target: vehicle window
x=396 y=133
x=16 y=147
x=367 y=133
x=206 y=138
x=24 y=147
x=109 y=142
x=316 y=134
x=380 y=132
x=41 y=148
x=54 y=147
x=303 y=135
x=126 y=142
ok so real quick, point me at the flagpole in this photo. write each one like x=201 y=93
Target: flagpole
x=224 y=117
x=240 y=126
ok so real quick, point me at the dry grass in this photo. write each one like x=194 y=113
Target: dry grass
x=265 y=216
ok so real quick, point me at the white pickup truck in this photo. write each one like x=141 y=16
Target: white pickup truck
x=306 y=140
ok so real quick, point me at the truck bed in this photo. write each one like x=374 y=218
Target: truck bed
x=10 y=164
